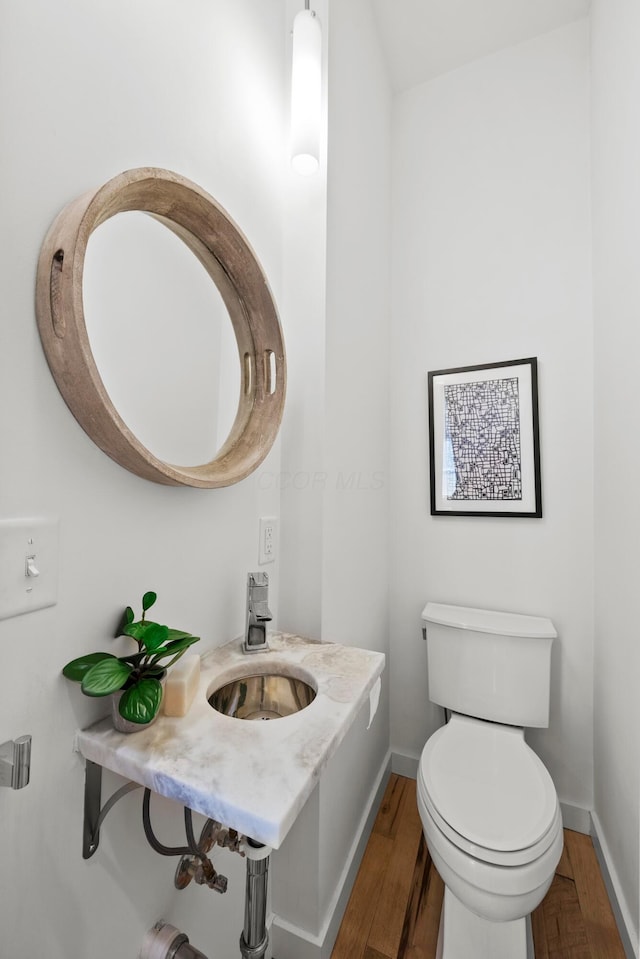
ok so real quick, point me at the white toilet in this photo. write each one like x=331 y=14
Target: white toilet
x=488 y=806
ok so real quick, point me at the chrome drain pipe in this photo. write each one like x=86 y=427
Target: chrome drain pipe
x=166 y=942
x=255 y=938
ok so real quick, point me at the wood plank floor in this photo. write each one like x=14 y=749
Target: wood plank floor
x=394 y=909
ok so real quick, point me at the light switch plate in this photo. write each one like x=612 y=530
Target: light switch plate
x=28 y=565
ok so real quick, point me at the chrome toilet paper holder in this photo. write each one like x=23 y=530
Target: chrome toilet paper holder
x=15 y=762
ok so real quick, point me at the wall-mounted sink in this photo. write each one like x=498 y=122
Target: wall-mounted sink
x=254 y=777
x=262 y=696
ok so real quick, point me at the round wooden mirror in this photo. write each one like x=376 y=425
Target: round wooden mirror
x=210 y=234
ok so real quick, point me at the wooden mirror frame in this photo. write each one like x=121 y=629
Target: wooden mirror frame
x=227 y=257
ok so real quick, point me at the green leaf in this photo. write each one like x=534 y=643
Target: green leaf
x=134 y=658
x=154 y=636
x=174 y=649
x=141 y=702
x=138 y=630
x=148 y=600
x=134 y=630
x=179 y=645
x=177 y=634
x=77 y=668
x=106 y=676
x=126 y=618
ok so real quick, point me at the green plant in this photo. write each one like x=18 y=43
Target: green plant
x=139 y=673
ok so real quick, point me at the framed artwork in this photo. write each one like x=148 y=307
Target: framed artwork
x=483 y=440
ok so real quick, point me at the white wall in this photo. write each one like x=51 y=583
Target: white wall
x=301 y=480
x=491 y=241
x=200 y=88
x=335 y=450
x=491 y=261
x=89 y=90
x=356 y=438
x=616 y=228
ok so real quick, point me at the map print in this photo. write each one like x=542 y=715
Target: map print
x=482 y=459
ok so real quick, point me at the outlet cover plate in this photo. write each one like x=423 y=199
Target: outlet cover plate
x=268 y=545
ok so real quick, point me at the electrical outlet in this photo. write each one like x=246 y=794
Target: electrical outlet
x=268 y=540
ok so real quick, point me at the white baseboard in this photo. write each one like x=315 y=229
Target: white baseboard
x=286 y=940
x=291 y=942
x=621 y=912
x=576 y=818
x=404 y=765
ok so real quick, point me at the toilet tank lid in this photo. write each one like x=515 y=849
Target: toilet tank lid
x=489 y=621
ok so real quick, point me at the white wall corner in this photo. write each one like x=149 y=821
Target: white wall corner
x=291 y=942
x=576 y=818
x=404 y=765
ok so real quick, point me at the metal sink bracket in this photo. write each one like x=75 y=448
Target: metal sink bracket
x=194 y=862
x=93 y=815
x=195 y=865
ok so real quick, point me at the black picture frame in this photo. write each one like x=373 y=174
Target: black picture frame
x=484 y=442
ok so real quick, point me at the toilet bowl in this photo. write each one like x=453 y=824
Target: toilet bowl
x=491 y=817
x=488 y=806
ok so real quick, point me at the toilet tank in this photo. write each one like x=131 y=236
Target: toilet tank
x=490 y=665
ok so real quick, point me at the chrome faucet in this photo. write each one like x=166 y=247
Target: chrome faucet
x=258 y=614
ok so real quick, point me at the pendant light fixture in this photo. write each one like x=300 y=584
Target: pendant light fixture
x=306 y=92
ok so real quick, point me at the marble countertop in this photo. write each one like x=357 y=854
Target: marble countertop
x=251 y=776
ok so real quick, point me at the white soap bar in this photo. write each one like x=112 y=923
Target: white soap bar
x=181 y=685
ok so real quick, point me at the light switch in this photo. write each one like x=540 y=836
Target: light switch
x=28 y=565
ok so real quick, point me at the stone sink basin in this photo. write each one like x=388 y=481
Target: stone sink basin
x=251 y=776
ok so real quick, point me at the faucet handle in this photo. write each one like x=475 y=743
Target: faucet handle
x=258 y=596
x=258 y=612
x=261 y=611
x=257 y=580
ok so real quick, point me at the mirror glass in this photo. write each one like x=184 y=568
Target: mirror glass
x=161 y=337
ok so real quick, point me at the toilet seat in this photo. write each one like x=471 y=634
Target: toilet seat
x=488 y=792
x=518 y=857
